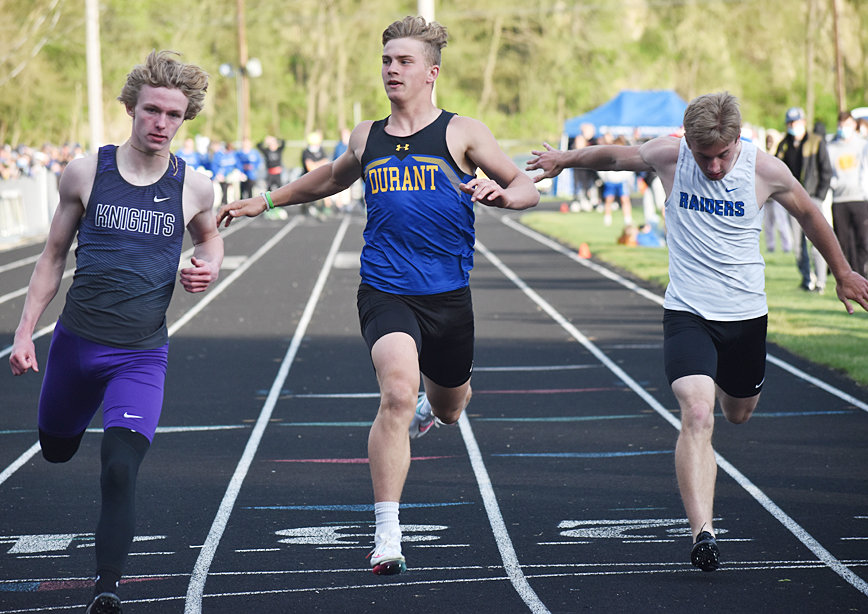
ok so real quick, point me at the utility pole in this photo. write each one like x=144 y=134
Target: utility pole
x=244 y=103
x=426 y=10
x=809 y=63
x=94 y=75
x=839 y=62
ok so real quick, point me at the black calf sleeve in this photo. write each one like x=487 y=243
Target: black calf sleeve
x=58 y=449
x=122 y=453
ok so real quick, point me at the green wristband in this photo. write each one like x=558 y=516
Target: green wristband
x=268 y=201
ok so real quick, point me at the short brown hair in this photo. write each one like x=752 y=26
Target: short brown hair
x=432 y=34
x=712 y=119
x=162 y=70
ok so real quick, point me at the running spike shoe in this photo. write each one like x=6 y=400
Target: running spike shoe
x=105 y=603
x=705 y=554
x=386 y=558
x=424 y=418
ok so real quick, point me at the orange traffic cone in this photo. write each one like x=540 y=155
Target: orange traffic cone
x=584 y=251
x=565 y=208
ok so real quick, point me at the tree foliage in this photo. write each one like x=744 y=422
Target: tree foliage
x=522 y=67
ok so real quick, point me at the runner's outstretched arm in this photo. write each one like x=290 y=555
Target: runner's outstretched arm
x=324 y=181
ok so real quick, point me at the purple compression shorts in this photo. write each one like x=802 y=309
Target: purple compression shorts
x=81 y=374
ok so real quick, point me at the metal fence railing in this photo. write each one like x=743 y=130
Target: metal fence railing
x=27 y=205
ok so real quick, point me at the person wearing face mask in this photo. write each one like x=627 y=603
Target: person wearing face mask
x=807 y=157
x=848 y=153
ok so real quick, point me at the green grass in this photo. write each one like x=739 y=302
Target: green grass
x=816 y=327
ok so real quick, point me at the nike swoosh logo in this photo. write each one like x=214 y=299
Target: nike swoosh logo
x=761 y=383
x=727 y=191
x=159 y=200
x=126 y=415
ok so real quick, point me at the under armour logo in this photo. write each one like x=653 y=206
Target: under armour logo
x=399 y=146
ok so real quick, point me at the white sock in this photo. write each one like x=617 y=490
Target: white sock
x=386 y=513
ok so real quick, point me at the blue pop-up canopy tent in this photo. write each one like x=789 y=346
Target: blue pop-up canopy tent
x=651 y=112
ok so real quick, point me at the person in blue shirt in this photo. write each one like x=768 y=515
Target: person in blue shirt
x=415 y=310
x=342 y=144
x=250 y=161
x=343 y=200
x=190 y=155
x=225 y=168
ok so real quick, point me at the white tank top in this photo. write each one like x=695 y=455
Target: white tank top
x=712 y=229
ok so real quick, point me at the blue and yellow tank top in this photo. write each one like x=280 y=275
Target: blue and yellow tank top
x=419 y=235
x=129 y=245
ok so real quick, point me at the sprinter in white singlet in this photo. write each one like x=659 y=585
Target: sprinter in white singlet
x=715 y=311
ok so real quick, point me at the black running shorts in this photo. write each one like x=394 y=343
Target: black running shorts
x=732 y=353
x=440 y=324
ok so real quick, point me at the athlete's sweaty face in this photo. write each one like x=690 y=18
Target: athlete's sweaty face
x=158 y=114
x=406 y=70
x=715 y=161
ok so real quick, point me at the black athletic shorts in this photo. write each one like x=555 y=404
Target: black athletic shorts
x=440 y=324
x=732 y=353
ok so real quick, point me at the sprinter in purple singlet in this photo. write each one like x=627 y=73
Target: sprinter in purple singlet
x=129 y=205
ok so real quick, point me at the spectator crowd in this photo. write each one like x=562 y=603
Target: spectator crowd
x=239 y=171
x=832 y=167
x=236 y=171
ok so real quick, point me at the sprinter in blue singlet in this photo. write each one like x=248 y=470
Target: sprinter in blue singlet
x=419 y=166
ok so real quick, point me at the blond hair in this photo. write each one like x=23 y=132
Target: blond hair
x=432 y=34
x=162 y=70
x=712 y=119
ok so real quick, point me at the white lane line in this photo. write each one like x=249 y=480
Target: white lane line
x=20 y=263
x=215 y=292
x=655 y=298
x=555 y=246
x=22 y=291
x=524 y=368
x=572 y=570
x=22 y=460
x=19 y=462
x=495 y=519
x=801 y=534
x=48 y=329
x=24 y=262
x=40 y=333
x=817 y=382
x=195 y=589
x=165 y=429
